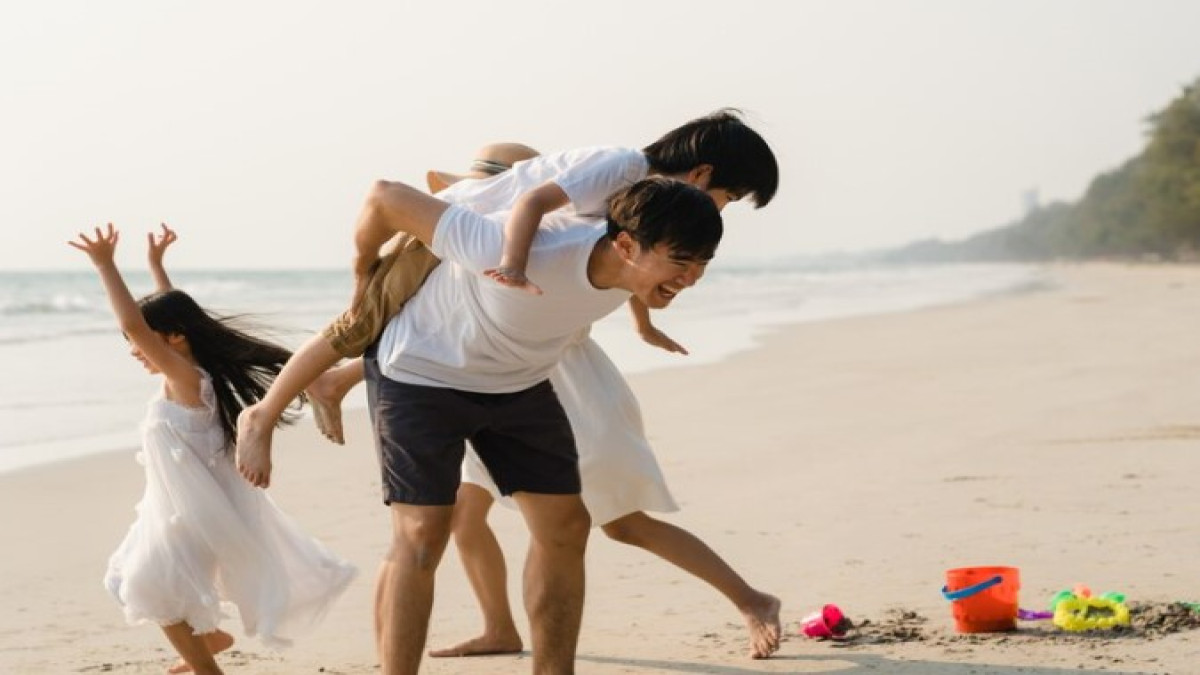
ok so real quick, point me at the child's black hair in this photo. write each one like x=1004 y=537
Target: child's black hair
x=241 y=366
x=742 y=161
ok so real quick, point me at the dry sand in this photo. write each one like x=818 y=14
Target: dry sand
x=847 y=462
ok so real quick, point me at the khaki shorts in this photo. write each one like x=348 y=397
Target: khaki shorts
x=393 y=279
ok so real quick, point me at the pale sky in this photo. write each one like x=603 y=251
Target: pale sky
x=256 y=127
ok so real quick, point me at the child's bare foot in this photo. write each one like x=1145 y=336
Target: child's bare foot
x=254 y=446
x=325 y=396
x=484 y=645
x=762 y=618
x=216 y=642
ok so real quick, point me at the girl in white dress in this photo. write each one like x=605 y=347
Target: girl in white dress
x=203 y=536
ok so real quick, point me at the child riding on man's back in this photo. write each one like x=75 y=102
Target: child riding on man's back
x=716 y=153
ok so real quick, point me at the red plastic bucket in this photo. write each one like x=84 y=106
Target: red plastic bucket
x=983 y=599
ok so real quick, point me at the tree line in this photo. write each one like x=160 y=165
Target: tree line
x=1148 y=208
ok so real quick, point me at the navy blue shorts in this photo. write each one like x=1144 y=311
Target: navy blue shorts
x=523 y=438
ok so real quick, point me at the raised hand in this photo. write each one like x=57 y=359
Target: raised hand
x=156 y=247
x=101 y=248
x=513 y=278
x=157 y=244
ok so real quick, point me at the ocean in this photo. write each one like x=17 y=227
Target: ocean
x=70 y=387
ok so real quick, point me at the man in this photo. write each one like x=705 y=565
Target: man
x=468 y=359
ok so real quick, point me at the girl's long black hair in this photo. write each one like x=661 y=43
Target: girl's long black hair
x=241 y=366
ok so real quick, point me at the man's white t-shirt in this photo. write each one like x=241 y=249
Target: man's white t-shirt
x=589 y=176
x=464 y=331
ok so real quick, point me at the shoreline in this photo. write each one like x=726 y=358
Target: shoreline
x=712 y=337
x=849 y=461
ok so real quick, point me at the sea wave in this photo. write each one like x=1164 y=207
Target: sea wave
x=70 y=387
x=18 y=335
x=59 y=303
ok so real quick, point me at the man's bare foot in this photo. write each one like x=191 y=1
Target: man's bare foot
x=254 y=446
x=216 y=642
x=325 y=397
x=762 y=618
x=483 y=645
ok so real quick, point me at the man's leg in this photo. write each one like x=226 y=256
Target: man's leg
x=554 y=577
x=685 y=550
x=404 y=596
x=483 y=561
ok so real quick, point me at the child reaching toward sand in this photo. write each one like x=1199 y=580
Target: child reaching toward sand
x=202 y=535
x=717 y=153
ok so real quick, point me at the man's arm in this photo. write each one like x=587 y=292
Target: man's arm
x=392 y=208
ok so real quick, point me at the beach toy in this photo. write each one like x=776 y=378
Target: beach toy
x=829 y=623
x=984 y=599
x=1078 y=610
x=1033 y=615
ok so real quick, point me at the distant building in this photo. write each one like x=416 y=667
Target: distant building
x=1030 y=201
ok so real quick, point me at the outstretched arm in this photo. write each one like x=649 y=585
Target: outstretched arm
x=183 y=380
x=647 y=330
x=391 y=208
x=519 y=231
x=156 y=247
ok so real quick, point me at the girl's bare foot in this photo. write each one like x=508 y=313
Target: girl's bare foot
x=762 y=618
x=216 y=642
x=484 y=645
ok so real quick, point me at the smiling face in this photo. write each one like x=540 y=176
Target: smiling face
x=664 y=232
x=657 y=275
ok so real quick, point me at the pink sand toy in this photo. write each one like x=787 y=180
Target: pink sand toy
x=829 y=623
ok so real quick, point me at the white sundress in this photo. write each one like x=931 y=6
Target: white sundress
x=617 y=467
x=203 y=536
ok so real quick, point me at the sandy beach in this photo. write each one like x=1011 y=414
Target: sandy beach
x=848 y=462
